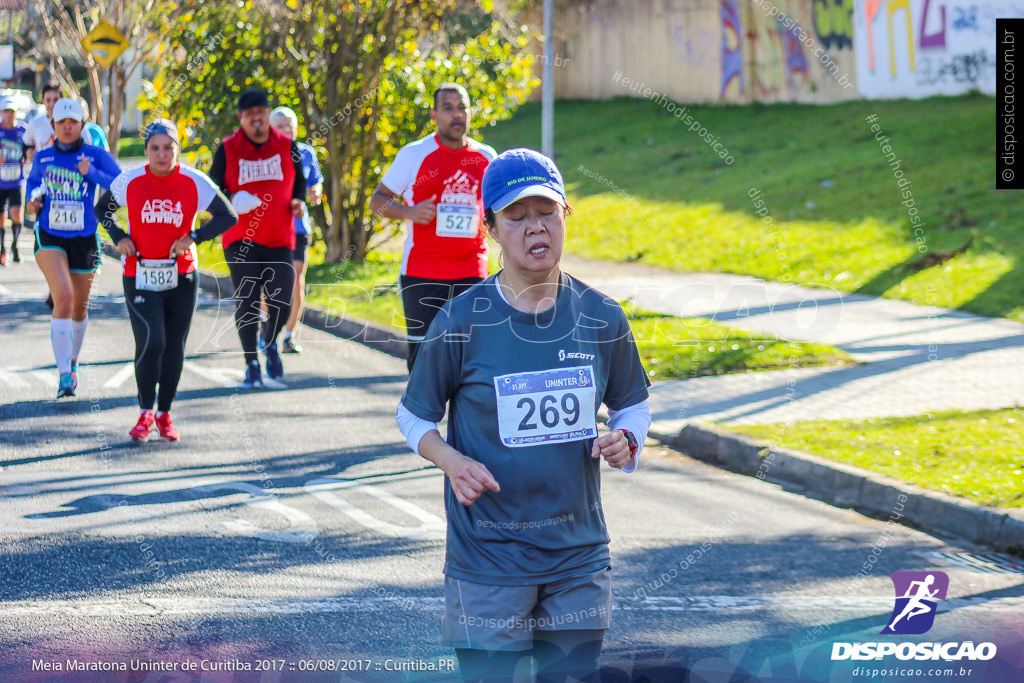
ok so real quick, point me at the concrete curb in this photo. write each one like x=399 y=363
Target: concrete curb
x=844 y=486
x=387 y=341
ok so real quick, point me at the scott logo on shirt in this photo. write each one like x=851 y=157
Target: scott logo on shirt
x=162 y=211
x=574 y=355
x=263 y=169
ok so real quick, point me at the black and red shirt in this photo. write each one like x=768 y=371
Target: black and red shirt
x=267 y=171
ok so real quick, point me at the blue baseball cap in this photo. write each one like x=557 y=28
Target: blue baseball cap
x=520 y=173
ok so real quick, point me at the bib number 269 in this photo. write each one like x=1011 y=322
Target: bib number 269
x=547 y=406
x=550 y=416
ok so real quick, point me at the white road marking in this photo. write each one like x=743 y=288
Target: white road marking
x=4 y=291
x=10 y=378
x=302 y=526
x=225 y=377
x=47 y=377
x=271 y=383
x=431 y=527
x=120 y=376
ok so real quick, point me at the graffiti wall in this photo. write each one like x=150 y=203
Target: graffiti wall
x=918 y=48
x=775 y=50
x=706 y=50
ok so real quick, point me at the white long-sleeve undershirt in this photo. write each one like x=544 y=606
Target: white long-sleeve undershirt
x=635 y=418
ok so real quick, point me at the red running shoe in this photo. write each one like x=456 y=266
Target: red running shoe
x=166 y=428
x=142 y=428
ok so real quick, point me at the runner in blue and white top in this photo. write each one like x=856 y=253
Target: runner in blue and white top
x=522 y=362
x=61 y=189
x=285 y=121
x=12 y=175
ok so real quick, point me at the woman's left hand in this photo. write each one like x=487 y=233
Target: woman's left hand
x=181 y=245
x=613 y=447
x=83 y=165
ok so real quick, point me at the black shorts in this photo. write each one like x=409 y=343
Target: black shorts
x=10 y=197
x=423 y=298
x=301 y=246
x=83 y=252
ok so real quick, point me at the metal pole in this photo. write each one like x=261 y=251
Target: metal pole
x=547 y=107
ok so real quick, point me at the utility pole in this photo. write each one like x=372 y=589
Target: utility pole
x=547 y=105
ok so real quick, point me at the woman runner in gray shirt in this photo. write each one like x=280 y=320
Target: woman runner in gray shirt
x=522 y=362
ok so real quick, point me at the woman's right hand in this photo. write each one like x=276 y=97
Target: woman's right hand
x=126 y=247
x=36 y=205
x=469 y=478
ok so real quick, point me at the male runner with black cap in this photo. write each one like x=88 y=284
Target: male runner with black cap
x=260 y=170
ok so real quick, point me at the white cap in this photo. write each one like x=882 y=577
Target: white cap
x=7 y=103
x=68 y=108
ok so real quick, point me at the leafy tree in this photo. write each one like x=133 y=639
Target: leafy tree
x=64 y=25
x=360 y=73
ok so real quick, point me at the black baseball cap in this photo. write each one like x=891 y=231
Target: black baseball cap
x=253 y=98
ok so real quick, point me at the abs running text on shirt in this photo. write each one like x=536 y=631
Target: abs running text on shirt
x=452 y=245
x=11 y=153
x=522 y=393
x=160 y=210
x=69 y=208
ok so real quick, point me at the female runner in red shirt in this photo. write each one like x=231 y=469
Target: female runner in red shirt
x=159 y=258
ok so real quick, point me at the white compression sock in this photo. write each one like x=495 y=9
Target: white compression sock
x=78 y=328
x=60 y=338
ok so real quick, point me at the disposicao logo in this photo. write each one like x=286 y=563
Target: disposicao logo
x=917 y=598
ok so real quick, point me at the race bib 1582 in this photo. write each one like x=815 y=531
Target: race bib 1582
x=547 y=406
x=156 y=275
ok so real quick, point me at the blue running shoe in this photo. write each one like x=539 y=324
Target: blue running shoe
x=253 y=377
x=275 y=368
x=67 y=385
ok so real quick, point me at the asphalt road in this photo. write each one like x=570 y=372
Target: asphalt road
x=292 y=530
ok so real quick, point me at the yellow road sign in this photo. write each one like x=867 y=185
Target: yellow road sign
x=106 y=43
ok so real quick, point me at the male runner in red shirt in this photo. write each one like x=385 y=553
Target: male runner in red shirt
x=260 y=170
x=439 y=179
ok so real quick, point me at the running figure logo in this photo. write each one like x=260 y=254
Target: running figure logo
x=917 y=596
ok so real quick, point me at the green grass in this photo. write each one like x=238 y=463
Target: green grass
x=671 y=348
x=680 y=348
x=130 y=147
x=974 y=455
x=647 y=189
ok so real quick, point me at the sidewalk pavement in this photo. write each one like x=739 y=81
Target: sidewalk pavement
x=912 y=360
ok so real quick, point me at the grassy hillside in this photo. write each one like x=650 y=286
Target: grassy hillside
x=645 y=188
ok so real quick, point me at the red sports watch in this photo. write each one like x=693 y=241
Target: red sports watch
x=631 y=442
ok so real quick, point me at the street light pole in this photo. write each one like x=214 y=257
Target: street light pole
x=547 y=107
